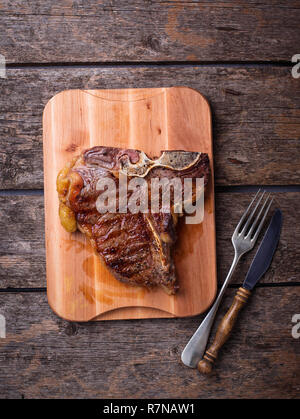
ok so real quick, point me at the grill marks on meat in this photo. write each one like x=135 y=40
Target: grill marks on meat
x=125 y=243
x=136 y=248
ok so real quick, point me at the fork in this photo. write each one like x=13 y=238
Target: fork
x=243 y=240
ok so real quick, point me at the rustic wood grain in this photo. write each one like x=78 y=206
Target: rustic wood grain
x=256 y=117
x=149 y=31
x=256 y=130
x=44 y=356
x=22 y=254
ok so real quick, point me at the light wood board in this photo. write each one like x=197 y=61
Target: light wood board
x=79 y=287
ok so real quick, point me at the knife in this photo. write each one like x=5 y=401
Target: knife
x=260 y=264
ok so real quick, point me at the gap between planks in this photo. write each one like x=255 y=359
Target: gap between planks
x=153 y=64
x=233 y=286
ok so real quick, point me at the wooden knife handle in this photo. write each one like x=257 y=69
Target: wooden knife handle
x=224 y=330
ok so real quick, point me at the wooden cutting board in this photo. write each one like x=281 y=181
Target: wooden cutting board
x=79 y=288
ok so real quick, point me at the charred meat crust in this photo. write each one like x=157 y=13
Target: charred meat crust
x=136 y=248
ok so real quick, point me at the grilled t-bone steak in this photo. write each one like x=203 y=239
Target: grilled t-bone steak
x=137 y=248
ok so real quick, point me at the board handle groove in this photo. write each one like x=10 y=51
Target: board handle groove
x=223 y=331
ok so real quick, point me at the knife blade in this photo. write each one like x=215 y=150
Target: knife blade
x=260 y=264
x=264 y=255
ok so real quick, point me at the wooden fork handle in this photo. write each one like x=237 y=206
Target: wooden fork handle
x=223 y=331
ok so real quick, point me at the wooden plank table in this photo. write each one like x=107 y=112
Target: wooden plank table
x=238 y=54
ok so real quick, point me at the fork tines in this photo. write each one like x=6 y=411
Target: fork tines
x=250 y=231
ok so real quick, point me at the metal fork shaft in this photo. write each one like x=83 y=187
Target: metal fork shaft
x=195 y=349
